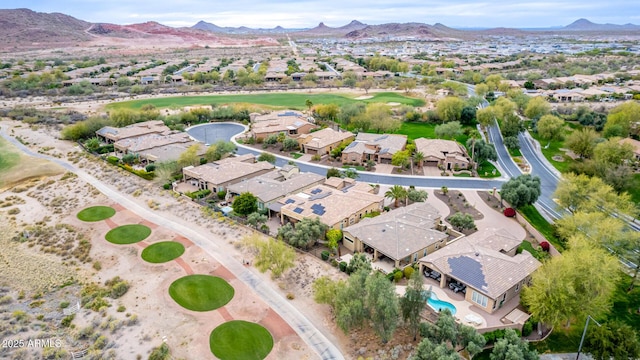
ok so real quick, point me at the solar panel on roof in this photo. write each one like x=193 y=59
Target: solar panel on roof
x=289 y=201
x=318 y=209
x=316 y=191
x=468 y=270
x=298 y=210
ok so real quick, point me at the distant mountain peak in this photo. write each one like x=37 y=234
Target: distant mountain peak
x=321 y=26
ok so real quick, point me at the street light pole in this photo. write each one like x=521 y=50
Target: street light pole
x=584 y=333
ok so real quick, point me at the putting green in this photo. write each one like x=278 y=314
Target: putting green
x=240 y=340
x=96 y=213
x=201 y=292
x=128 y=234
x=162 y=252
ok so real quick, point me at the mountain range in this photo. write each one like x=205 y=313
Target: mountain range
x=24 y=28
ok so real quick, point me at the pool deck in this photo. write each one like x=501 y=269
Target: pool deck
x=464 y=308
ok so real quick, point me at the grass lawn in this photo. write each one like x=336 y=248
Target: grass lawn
x=552 y=148
x=201 y=292
x=128 y=234
x=540 y=255
x=16 y=166
x=162 y=252
x=541 y=224
x=287 y=100
x=357 y=167
x=462 y=175
x=295 y=155
x=96 y=213
x=514 y=152
x=486 y=170
x=240 y=340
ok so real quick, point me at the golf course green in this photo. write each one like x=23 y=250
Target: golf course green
x=201 y=292
x=96 y=213
x=162 y=252
x=128 y=234
x=240 y=340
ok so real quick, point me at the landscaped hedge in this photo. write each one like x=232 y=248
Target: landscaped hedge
x=498 y=334
x=198 y=194
x=343 y=266
x=509 y=212
x=325 y=255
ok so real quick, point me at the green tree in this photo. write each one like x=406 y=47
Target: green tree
x=190 y=156
x=468 y=115
x=448 y=130
x=245 y=204
x=308 y=103
x=482 y=151
x=256 y=219
x=612 y=152
x=462 y=221
x=522 y=190
x=268 y=157
x=536 y=108
x=290 y=144
x=325 y=290
x=218 y=150
x=326 y=111
x=511 y=125
x=333 y=172
x=449 y=108
x=271 y=139
x=395 y=193
x=334 y=236
x=350 y=309
x=305 y=234
x=359 y=262
x=512 y=347
x=92 y=144
x=417 y=195
x=582 y=142
x=428 y=350
x=418 y=158
x=448 y=333
x=413 y=302
x=569 y=287
x=400 y=158
x=621 y=119
x=487 y=115
x=512 y=143
x=382 y=304
x=613 y=340
x=271 y=254
x=550 y=127
x=591 y=194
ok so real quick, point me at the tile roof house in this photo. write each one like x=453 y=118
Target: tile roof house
x=111 y=134
x=447 y=154
x=218 y=175
x=489 y=277
x=338 y=203
x=376 y=147
x=323 y=141
x=170 y=152
x=402 y=235
x=273 y=186
x=291 y=123
x=135 y=145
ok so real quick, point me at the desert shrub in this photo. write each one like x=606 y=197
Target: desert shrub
x=408 y=271
x=343 y=266
x=150 y=167
x=97 y=265
x=334 y=263
x=7 y=299
x=290 y=296
x=509 y=212
x=527 y=328
x=160 y=353
x=113 y=160
x=121 y=308
x=222 y=194
x=64 y=305
x=397 y=276
x=545 y=246
x=67 y=320
x=119 y=289
x=325 y=255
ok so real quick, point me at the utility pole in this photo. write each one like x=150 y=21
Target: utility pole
x=584 y=333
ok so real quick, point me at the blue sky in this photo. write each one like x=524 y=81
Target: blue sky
x=308 y=13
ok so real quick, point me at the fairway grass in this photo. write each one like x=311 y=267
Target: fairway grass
x=162 y=252
x=128 y=234
x=240 y=340
x=283 y=100
x=96 y=213
x=16 y=167
x=201 y=292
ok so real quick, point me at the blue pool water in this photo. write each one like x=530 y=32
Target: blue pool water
x=437 y=304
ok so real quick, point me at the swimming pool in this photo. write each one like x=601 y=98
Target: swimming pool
x=437 y=304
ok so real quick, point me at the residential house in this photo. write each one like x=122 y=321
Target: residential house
x=487 y=276
x=323 y=141
x=376 y=147
x=635 y=144
x=403 y=235
x=170 y=152
x=338 y=203
x=111 y=134
x=135 y=145
x=446 y=154
x=291 y=123
x=218 y=175
x=275 y=185
x=565 y=95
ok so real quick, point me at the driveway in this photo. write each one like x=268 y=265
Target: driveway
x=492 y=218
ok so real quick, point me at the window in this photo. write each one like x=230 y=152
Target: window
x=425 y=252
x=479 y=299
x=517 y=287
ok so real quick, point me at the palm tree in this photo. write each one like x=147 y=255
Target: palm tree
x=396 y=192
x=418 y=157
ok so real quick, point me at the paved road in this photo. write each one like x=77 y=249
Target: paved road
x=307 y=331
x=227 y=131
